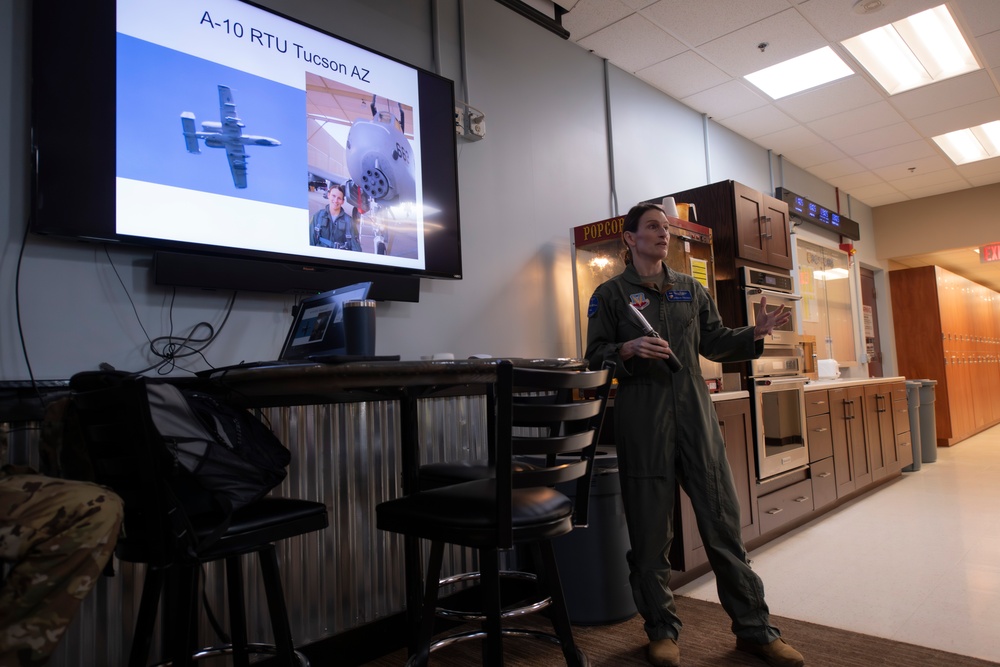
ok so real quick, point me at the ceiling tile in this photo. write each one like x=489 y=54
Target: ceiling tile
x=896 y=154
x=989 y=49
x=838 y=169
x=835 y=97
x=814 y=154
x=616 y=43
x=729 y=99
x=756 y=122
x=925 y=180
x=787 y=34
x=851 y=182
x=838 y=21
x=936 y=189
x=958 y=118
x=958 y=91
x=927 y=165
x=883 y=137
x=880 y=114
x=976 y=16
x=791 y=139
x=984 y=179
x=879 y=189
x=589 y=16
x=684 y=75
x=699 y=22
x=979 y=168
x=639 y=4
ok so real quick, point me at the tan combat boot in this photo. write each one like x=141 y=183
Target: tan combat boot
x=664 y=653
x=776 y=654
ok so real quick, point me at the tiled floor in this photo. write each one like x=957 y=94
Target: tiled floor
x=917 y=561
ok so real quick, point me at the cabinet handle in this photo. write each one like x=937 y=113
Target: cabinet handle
x=820 y=430
x=818 y=403
x=802 y=499
x=774 y=510
x=824 y=475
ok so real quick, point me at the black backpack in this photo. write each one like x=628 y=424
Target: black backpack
x=220 y=458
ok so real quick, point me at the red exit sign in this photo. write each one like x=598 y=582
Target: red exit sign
x=989 y=253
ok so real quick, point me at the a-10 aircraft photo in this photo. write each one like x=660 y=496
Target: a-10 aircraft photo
x=226 y=134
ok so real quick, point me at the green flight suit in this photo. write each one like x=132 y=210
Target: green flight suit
x=666 y=431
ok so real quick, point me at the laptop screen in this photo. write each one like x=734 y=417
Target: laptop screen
x=318 y=328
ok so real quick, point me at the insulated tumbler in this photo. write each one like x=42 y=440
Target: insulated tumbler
x=359 y=327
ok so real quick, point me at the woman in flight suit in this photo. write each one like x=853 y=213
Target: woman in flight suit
x=667 y=432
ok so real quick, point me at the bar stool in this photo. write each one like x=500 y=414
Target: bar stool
x=509 y=506
x=127 y=455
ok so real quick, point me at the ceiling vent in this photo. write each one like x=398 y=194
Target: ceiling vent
x=869 y=6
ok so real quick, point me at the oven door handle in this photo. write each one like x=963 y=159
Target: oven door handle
x=776 y=294
x=763 y=382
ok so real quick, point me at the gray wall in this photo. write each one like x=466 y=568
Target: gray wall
x=543 y=168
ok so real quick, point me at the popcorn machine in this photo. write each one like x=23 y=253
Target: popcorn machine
x=597 y=256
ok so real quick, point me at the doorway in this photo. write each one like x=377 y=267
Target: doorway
x=873 y=344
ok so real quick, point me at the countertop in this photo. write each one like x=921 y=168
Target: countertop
x=813 y=385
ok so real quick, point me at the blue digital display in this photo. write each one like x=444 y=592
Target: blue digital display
x=808 y=211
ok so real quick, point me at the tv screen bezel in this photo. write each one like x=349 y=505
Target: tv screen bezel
x=75 y=164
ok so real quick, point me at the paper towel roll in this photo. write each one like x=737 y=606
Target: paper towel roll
x=669 y=207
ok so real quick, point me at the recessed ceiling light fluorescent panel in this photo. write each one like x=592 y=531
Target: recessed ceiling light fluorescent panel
x=800 y=73
x=914 y=52
x=973 y=144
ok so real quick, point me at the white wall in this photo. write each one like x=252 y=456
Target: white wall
x=542 y=169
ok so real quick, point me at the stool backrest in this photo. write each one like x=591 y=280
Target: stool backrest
x=553 y=419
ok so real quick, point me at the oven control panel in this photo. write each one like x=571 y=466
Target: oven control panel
x=769 y=280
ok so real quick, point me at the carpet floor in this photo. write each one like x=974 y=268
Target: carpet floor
x=705 y=641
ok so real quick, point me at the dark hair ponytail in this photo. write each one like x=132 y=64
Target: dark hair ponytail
x=631 y=224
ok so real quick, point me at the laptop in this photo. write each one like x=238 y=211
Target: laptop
x=316 y=334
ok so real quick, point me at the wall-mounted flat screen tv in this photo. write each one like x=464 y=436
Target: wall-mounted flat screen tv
x=228 y=133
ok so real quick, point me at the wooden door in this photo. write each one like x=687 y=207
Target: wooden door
x=873 y=431
x=860 y=458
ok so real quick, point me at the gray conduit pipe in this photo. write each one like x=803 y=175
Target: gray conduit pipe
x=611 y=139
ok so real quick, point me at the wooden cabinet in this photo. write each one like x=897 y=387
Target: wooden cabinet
x=762 y=228
x=687 y=550
x=852 y=468
x=748 y=228
x=948 y=329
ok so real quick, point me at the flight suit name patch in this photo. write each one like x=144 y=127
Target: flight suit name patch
x=678 y=295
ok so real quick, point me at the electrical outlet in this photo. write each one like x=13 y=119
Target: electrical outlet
x=460 y=121
x=477 y=126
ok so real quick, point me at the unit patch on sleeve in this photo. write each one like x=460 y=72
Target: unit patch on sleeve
x=592 y=308
x=679 y=295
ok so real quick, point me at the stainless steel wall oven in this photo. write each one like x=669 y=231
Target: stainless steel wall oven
x=776 y=382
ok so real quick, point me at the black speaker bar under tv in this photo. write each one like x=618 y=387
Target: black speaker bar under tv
x=181 y=269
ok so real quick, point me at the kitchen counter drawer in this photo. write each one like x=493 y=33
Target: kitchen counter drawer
x=784 y=505
x=824 y=483
x=817 y=403
x=819 y=437
x=901 y=416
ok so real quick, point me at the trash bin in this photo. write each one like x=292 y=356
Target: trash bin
x=591 y=560
x=913 y=407
x=928 y=424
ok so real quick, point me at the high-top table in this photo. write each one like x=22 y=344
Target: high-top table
x=403 y=381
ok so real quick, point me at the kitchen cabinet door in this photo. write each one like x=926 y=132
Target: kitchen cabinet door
x=879 y=430
x=852 y=467
x=687 y=550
